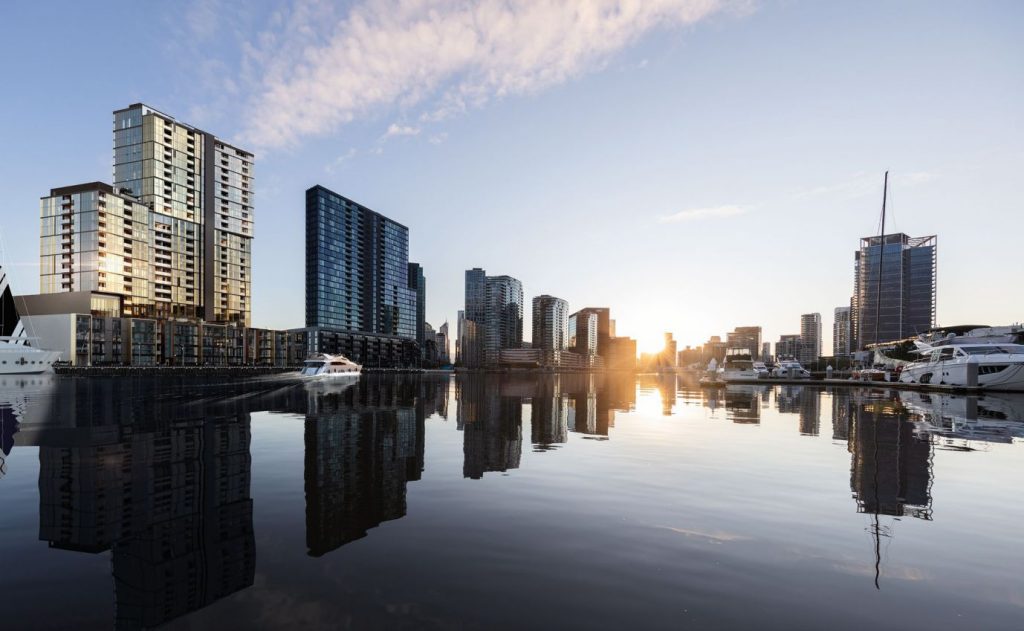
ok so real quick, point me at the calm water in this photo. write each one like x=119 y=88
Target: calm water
x=506 y=502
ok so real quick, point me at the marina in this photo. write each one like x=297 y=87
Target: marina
x=459 y=316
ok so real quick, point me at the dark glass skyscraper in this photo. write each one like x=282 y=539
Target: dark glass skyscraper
x=894 y=290
x=418 y=284
x=357 y=266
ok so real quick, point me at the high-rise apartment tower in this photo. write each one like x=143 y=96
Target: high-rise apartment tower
x=357 y=266
x=199 y=190
x=550 y=323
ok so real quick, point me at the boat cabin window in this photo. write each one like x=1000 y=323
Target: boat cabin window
x=314 y=364
x=993 y=349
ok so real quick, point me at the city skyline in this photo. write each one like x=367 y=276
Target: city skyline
x=668 y=185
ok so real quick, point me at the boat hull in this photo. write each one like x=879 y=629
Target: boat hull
x=333 y=375
x=954 y=374
x=742 y=377
x=26 y=360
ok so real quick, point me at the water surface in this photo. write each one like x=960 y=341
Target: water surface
x=506 y=502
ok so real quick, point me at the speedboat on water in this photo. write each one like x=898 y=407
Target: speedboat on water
x=961 y=362
x=790 y=369
x=330 y=366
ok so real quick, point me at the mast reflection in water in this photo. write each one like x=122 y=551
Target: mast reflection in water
x=623 y=482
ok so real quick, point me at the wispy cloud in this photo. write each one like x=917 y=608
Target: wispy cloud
x=919 y=177
x=394 y=129
x=695 y=214
x=863 y=184
x=856 y=185
x=316 y=70
x=341 y=160
x=438 y=138
x=201 y=19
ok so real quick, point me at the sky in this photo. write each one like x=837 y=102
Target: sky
x=694 y=165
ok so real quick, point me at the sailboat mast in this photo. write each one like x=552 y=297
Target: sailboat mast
x=881 y=257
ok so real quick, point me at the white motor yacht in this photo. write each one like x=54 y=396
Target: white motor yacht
x=790 y=369
x=18 y=358
x=18 y=355
x=330 y=366
x=968 y=364
x=739 y=366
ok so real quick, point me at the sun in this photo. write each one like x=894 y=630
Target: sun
x=650 y=342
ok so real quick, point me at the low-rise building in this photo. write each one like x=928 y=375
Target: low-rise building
x=85 y=328
x=543 y=358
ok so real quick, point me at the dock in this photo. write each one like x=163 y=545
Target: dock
x=855 y=383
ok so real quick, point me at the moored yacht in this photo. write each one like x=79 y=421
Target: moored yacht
x=790 y=369
x=330 y=366
x=17 y=354
x=739 y=366
x=968 y=364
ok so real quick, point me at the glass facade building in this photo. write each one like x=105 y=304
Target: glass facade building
x=199 y=190
x=493 y=318
x=357 y=268
x=745 y=337
x=418 y=284
x=582 y=329
x=93 y=239
x=894 y=288
x=550 y=323
x=788 y=347
x=504 y=322
x=841 y=332
x=605 y=327
x=810 y=337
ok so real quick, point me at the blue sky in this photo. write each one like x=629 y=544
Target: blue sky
x=695 y=165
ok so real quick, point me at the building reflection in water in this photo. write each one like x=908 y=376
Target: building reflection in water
x=364 y=444
x=891 y=466
x=594 y=399
x=549 y=414
x=490 y=413
x=804 y=401
x=162 y=479
x=490 y=417
x=162 y=484
x=841 y=415
x=742 y=402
